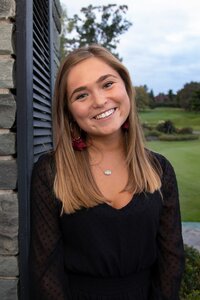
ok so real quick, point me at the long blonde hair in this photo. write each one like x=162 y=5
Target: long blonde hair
x=74 y=184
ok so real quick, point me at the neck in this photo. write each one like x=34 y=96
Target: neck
x=108 y=143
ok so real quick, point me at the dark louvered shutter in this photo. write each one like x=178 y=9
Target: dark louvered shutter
x=42 y=90
x=37 y=59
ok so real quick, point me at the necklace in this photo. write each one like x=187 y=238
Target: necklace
x=107 y=172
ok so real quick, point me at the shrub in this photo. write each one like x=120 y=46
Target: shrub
x=166 y=127
x=146 y=126
x=190 y=286
x=152 y=133
x=185 y=130
x=178 y=137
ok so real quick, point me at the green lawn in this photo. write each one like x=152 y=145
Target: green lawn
x=180 y=117
x=185 y=158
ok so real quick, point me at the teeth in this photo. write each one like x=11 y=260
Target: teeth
x=105 y=114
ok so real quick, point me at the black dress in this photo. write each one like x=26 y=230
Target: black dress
x=103 y=253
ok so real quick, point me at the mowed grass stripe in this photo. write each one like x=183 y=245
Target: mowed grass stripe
x=185 y=158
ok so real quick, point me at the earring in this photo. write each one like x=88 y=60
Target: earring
x=78 y=144
x=125 y=126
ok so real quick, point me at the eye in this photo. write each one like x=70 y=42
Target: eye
x=108 y=84
x=81 y=96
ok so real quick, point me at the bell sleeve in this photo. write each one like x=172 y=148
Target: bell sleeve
x=48 y=280
x=170 y=257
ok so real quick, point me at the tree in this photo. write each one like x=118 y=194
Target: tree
x=185 y=96
x=195 y=102
x=96 y=24
x=141 y=97
x=171 y=96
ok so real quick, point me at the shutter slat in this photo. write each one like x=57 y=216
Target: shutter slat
x=40 y=46
x=41 y=58
x=41 y=83
x=42 y=119
x=41 y=131
x=42 y=140
x=40 y=67
x=41 y=124
x=42 y=149
x=41 y=99
x=39 y=115
x=40 y=74
x=41 y=92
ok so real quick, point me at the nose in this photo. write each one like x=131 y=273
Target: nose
x=99 y=99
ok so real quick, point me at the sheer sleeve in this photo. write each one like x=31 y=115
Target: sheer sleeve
x=47 y=277
x=170 y=263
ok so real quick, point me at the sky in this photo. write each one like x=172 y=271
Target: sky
x=162 y=47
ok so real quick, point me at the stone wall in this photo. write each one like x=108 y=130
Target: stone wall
x=8 y=168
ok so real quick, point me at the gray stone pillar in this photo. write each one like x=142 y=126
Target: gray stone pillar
x=8 y=168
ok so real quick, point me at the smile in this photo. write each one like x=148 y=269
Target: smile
x=105 y=114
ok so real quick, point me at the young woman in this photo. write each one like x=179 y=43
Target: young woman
x=105 y=210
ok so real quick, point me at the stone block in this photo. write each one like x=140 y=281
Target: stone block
x=6 y=74
x=9 y=266
x=7 y=110
x=8 y=224
x=8 y=174
x=7 y=143
x=6 y=38
x=8 y=289
x=7 y=9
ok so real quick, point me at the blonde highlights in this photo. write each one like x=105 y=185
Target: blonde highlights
x=74 y=184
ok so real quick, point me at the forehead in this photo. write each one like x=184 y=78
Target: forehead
x=89 y=71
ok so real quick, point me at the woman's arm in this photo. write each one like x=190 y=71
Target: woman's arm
x=170 y=262
x=48 y=279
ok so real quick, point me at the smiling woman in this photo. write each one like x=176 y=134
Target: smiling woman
x=98 y=102
x=105 y=210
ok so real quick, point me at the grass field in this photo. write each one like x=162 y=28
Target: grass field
x=185 y=158
x=180 y=117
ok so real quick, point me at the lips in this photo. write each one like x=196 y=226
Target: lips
x=105 y=114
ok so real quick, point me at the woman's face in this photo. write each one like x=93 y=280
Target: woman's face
x=97 y=98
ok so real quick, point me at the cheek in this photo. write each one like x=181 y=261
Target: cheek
x=126 y=102
x=78 y=112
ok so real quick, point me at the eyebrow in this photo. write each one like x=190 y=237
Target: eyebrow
x=99 y=80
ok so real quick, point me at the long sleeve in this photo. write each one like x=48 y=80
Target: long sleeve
x=170 y=262
x=47 y=276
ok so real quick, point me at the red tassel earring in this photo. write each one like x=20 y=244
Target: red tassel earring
x=78 y=144
x=125 y=126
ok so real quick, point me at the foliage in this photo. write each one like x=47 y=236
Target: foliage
x=141 y=97
x=166 y=131
x=185 y=130
x=190 y=287
x=178 y=116
x=178 y=137
x=166 y=127
x=189 y=96
x=96 y=24
x=195 y=102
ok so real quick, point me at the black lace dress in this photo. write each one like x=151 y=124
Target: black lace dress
x=103 y=253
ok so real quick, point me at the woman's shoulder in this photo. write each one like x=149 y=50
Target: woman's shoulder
x=160 y=160
x=45 y=166
x=45 y=160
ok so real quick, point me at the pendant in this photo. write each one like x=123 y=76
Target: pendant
x=107 y=172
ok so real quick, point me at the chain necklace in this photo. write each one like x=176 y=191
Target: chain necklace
x=107 y=171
